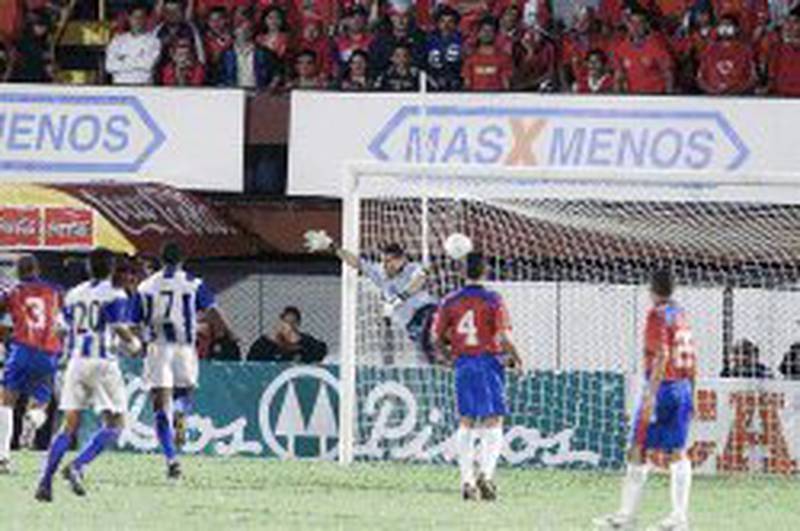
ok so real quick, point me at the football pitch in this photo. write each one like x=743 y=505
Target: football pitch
x=129 y=491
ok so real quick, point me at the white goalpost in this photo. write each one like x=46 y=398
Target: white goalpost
x=570 y=251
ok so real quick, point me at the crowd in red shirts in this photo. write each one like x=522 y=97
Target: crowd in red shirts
x=620 y=46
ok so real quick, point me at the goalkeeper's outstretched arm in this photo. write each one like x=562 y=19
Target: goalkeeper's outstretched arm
x=318 y=241
x=346 y=256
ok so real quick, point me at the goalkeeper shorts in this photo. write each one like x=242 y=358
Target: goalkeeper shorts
x=667 y=429
x=480 y=386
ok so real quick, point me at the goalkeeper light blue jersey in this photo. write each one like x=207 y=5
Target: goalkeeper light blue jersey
x=167 y=304
x=91 y=310
x=391 y=287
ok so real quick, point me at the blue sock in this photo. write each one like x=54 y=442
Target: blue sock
x=57 y=450
x=164 y=433
x=102 y=438
x=184 y=404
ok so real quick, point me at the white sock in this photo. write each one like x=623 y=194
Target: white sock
x=491 y=446
x=6 y=431
x=465 y=441
x=680 y=484
x=632 y=489
x=37 y=417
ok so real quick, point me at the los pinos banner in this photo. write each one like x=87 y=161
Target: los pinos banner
x=190 y=139
x=725 y=139
x=566 y=420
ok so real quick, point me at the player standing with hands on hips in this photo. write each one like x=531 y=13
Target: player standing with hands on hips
x=664 y=415
x=472 y=326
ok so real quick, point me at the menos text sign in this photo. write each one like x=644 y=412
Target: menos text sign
x=669 y=135
x=59 y=134
x=558 y=137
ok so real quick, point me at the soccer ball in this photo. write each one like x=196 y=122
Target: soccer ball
x=457 y=246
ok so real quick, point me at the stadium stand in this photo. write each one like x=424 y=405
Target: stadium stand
x=645 y=46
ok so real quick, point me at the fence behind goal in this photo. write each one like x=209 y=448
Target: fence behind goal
x=571 y=254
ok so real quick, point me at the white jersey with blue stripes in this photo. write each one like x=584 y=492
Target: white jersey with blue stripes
x=168 y=303
x=91 y=311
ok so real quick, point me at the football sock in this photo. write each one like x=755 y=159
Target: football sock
x=6 y=431
x=102 y=438
x=465 y=442
x=632 y=489
x=183 y=403
x=57 y=450
x=680 y=484
x=491 y=446
x=37 y=417
x=165 y=435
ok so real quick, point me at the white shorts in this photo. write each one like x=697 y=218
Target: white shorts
x=170 y=366
x=93 y=383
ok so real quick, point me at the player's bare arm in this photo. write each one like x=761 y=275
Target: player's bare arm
x=133 y=345
x=514 y=360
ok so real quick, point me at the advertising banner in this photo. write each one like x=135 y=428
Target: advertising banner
x=190 y=139
x=124 y=218
x=747 y=426
x=726 y=137
x=291 y=411
x=557 y=419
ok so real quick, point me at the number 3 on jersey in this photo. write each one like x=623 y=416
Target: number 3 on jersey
x=35 y=309
x=468 y=328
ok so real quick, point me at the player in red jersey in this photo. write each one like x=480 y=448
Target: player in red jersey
x=35 y=308
x=665 y=412
x=473 y=327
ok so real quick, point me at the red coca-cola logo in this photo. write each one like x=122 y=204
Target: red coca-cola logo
x=20 y=227
x=68 y=227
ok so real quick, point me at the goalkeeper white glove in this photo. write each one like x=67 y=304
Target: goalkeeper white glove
x=317 y=241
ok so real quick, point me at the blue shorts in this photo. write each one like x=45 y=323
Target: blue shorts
x=668 y=429
x=30 y=372
x=480 y=386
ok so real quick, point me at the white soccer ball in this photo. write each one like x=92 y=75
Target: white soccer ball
x=457 y=246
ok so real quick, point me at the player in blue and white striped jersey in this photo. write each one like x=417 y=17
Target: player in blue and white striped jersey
x=97 y=323
x=167 y=306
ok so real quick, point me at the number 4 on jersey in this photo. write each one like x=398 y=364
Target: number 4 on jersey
x=468 y=328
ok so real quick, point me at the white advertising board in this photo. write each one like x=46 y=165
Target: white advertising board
x=191 y=139
x=726 y=137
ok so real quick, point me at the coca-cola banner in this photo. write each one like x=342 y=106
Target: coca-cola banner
x=20 y=226
x=150 y=214
x=123 y=218
x=68 y=227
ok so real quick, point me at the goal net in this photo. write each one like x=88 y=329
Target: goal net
x=571 y=254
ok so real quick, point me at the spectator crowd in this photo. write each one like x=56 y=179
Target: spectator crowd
x=731 y=47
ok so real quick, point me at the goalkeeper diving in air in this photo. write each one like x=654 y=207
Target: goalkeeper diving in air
x=401 y=282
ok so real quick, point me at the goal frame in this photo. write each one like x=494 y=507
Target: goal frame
x=686 y=186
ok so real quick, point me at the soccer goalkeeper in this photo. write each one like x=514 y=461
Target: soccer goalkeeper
x=401 y=282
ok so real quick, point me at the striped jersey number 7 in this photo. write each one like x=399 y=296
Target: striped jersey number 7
x=467 y=327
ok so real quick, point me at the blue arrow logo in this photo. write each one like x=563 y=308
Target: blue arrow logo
x=560 y=137
x=60 y=133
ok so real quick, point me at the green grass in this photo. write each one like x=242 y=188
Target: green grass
x=130 y=492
